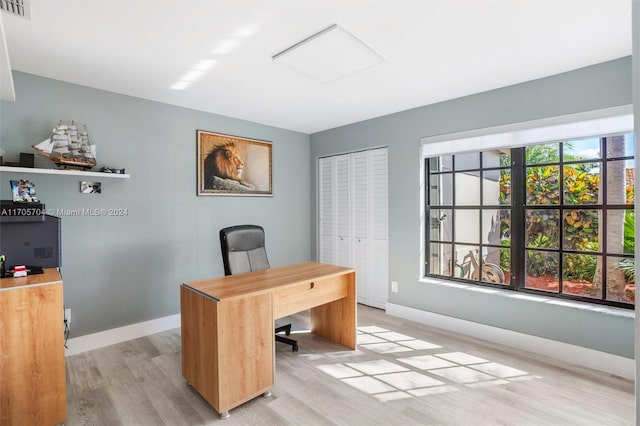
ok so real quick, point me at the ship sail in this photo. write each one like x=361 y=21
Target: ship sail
x=46 y=145
x=68 y=147
x=61 y=150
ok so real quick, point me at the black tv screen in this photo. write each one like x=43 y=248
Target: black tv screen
x=31 y=243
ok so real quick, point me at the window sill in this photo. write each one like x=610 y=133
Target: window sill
x=606 y=310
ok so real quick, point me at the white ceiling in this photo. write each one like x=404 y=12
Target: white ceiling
x=434 y=50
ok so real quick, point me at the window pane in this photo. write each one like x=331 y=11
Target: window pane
x=468 y=189
x=491 y=188
x=543 y=185
x=542 y=270
x=621 y=231
x=621 y=279
x=440 y=259
x=581 y=230
x=467 y=161
x=441 y=190
x=496 y=187
x=585 y=149
x=496 y=227
x=505 y=187
x=581 y=183
x=441 y=224
x=496 y=158
x=620 y=146
x=496 y=265
x=467 y=263
x=543 y=154
x=491 y=175
x=467 y=223
x=441 y=164
x=542 y=228
x=620 y=182
x=579 y=275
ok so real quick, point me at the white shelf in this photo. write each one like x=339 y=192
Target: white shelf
x=66 y=172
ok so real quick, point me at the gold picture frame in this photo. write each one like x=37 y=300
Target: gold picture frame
x=233 y=165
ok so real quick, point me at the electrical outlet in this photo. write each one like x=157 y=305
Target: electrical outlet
x=67 y=317
x=394 y=286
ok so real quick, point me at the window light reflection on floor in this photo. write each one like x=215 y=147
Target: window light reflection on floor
x=437 y=372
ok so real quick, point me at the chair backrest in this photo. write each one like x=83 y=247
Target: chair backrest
x=243 y=249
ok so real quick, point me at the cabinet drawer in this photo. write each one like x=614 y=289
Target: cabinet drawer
x=287 y=301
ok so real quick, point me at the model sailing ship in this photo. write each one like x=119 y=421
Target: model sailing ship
x=68 y=147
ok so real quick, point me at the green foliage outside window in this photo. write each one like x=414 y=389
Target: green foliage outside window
x=581 y=184
x=580 y=226
x=543 y=185
x=628 y=266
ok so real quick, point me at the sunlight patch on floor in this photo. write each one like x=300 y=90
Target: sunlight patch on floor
x=380 y=366
x=436 y=372
x=426 y=362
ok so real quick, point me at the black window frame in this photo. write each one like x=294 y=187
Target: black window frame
x=518 y=208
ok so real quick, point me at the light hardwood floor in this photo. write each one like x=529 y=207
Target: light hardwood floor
x=403 y=373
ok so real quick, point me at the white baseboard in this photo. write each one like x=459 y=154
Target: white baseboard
x=121 y=334
x=577 y=355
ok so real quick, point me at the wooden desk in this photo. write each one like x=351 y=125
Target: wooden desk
x=228 y=325
x=32 y=371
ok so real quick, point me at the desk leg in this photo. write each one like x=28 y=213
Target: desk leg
x=337 y=320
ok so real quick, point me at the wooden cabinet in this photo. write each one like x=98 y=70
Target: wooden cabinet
x=227 y=347
x=32 y=363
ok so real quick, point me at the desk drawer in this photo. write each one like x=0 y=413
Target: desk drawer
x=290 y=300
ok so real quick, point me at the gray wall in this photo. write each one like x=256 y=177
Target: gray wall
x=601 y=86
x=123 y=270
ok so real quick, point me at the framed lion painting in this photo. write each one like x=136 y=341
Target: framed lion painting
x=232 y=165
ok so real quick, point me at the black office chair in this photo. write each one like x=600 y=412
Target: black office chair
x=243 y=251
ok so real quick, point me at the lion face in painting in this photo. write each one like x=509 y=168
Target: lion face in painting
x=224 y=161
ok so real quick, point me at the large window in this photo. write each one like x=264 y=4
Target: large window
x=555 y=218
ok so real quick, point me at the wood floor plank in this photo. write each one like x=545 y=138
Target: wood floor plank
x=295 y=411
x=133 y=405
x=83 y=374
x=403 y=373
x=92 y=407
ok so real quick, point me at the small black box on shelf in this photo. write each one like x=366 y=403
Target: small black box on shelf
x=26 y=160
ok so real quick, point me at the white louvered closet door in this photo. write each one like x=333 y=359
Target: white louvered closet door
x=343 y=211
x=360 y=218
x=378 y=251
x=326 y=205
x=353 y=204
